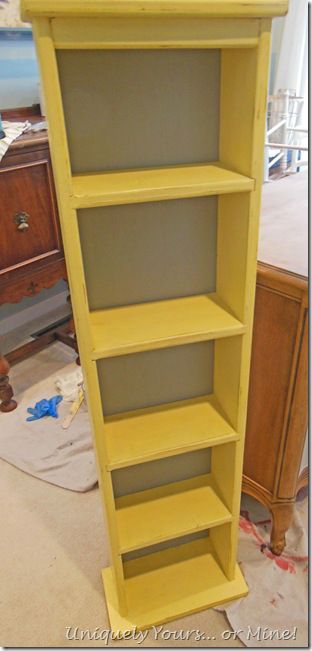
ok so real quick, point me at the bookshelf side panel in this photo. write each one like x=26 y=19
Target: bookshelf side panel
x=242 y=133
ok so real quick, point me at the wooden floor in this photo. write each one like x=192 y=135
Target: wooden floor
x=280 y=200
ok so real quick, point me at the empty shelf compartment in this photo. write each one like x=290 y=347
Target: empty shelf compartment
x=161 y=324
x=161 y=431
x=177 y=581
x=176 y=509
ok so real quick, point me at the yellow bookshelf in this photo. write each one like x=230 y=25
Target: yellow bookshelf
x=156 y=112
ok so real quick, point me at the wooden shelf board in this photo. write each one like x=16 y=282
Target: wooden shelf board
x=212 y=8
x=155 y=184
x=169 y=511
x=162 y=431
x=160 y=324
x=169 y=584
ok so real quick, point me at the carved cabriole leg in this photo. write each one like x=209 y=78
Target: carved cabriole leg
x=282 y=515
x=6 y=391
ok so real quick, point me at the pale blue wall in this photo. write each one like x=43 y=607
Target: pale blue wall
x=18 y=69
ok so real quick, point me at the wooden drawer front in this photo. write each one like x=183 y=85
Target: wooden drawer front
x=27 y=189
x=274 y=339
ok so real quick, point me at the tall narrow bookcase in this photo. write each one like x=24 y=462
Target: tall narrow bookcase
x=156 y=112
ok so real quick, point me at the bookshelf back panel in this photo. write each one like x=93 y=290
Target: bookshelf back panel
x=149 y=252
x=140 y=108
x=138 y=553
x=151 y=378
x=162 y=471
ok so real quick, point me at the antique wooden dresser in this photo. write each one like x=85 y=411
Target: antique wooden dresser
x=32 y=255
x=278 y=393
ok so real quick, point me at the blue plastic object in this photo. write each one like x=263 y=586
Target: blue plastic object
x=44 y=408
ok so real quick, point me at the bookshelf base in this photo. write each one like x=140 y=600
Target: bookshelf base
x=168 y=593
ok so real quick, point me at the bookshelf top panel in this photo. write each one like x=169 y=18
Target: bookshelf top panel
x=214 y=8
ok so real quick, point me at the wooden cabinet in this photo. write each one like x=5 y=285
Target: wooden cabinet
x=30 y=230
x=278 y=395
x=159 y=198
x=31 y=247
x=32 y=256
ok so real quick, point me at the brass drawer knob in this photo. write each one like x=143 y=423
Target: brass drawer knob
x=21 y=219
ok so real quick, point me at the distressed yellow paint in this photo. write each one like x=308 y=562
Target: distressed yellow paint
x=246 y=137
x=176 y=582
x=184 y=578
x=121 y=33
x=70 y=235
x=213 y=8
x=160 y=324
x=162 y=183
x=162 y=431
x=177 y=509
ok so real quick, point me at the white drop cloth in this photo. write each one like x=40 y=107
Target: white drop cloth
x=42 y=448
x=12 y=130
x=278 y=585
